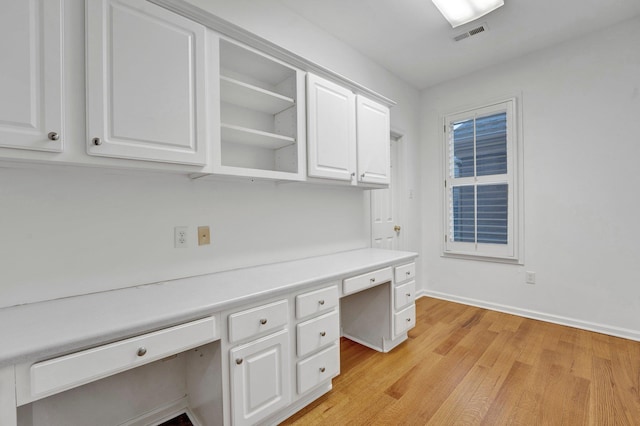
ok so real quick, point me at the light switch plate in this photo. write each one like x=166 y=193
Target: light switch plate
x=204 y=237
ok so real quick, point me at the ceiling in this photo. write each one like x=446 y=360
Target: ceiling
x=412 y=39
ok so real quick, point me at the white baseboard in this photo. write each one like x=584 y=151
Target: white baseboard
x=556 y=319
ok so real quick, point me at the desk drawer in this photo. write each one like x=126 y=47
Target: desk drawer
x=317 y=301
x=318 y=368
x=370 y=279
x=317 y=333
x=404 y=320
x=72 y=370
x=404 y=295
x=405 y=272
x=259 y=320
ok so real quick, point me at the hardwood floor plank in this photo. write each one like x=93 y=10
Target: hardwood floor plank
x=464 y=365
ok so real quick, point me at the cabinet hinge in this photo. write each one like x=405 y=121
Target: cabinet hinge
x=444 y=128
x=445 y=238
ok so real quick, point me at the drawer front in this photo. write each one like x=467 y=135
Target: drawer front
x=404 y=320
x=370 y=279
x=405 y=272
x=72 y=370
x=318 y=368
x=317 y=333
x=404 y=295
x=317 y=301
x=259 y=320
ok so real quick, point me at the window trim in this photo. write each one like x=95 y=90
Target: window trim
x=513 y=253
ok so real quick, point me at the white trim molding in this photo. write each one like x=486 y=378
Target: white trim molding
x=625 y=333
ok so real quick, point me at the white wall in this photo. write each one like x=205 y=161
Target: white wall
x=580 y=108
x=69 y=230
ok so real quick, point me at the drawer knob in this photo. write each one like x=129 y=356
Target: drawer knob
x=239 y=361
x=408 y=294
x=373 y=280
x=322 y=369
x=53 y=136
x=321 y=302
x=323 y=333
x=142 y=351
x=408 y=272
x=263 y=321
x=408 y=319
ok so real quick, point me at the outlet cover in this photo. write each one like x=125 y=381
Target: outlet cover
x=204 y=236
x=180 y=237
x=530 y=277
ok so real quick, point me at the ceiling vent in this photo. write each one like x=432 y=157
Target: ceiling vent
x=474 y=31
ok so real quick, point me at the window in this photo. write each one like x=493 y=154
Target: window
x=480 y=184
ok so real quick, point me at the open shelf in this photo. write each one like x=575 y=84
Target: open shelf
x=239 y=93
x=246 y=136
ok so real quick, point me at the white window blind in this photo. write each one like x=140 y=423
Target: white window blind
x=479 y=184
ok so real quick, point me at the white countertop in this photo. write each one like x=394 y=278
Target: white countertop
x=42 y=330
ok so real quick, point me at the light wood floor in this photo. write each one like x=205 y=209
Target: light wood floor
x=469 y=366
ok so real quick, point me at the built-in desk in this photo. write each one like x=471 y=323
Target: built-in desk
x=237 y=347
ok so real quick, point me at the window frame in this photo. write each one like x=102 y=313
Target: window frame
x=512 y=251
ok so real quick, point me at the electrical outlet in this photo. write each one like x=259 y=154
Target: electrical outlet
x=204 y=237
x=530 y=277
x=180 y=237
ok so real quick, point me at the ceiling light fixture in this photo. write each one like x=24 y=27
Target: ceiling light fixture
x=459 y=12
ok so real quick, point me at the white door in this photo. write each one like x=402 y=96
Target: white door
x=331 y=130
x=373 y=141
x=31 y=75
x=260 y=383
x=386 y=228
x=146 y=91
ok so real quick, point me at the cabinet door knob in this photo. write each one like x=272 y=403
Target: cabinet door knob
x=408 y=294
x=53 y=136
x=353 y=174
x=239 y=361
x=322 y=369
x=397 y=228
x=323 y=333
x=408 y=272
x=362 y=176
x=142 y=351
x=96 y=141
x=408 y=319
x=263 y=321
x=373 y=280
x=321 y=302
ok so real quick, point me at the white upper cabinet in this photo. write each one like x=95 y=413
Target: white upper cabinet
x=147 y=91
x=348 y=135
x=31 y=75
x=373 y=142
x=331 y=122
x=262 y=126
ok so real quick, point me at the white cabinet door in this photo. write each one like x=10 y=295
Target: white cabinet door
x=146 y=91
x=31 y=75
x=260 y=378
x=373 y=142
x=331 y=130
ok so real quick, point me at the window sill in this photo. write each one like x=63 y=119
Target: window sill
x=483 y=258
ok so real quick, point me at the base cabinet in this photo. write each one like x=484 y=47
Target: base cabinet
x=259 y=375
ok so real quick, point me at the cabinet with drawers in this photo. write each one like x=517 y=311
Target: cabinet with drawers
x=134 y=376
x=404 y=317
x=317 y=337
